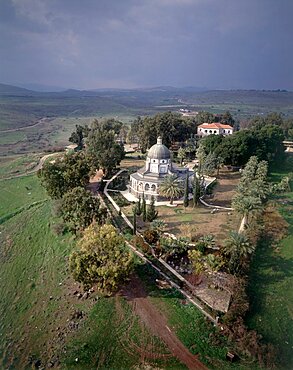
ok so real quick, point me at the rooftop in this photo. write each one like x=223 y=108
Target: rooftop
x=159 y=151
x=215 y=125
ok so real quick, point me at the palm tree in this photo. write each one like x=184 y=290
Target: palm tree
x=171 y=188
x=237 y=247
x=246 y=204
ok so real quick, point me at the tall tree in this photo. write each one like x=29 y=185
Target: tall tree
x=205 y=117
x=227 y=119
x=143 y=208
x=171 y=188
x=134 y=210
x=252 y=190
x=64 y=174
x=77 y=136
x=210 y=164
x=152 y=213
x=186 y=192
x=195 y=191
x=102 y=259
x=201 y=156
x=237 y=248
x=181 y=155
x=80 y=208
x=139 y=206
x=102 y=149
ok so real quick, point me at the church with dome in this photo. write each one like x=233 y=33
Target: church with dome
x=158 y=165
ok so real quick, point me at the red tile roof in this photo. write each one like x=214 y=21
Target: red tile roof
x=215 y=125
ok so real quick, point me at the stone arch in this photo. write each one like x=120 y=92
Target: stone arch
x=153 y=188
x=140 y=186
x=147 y=187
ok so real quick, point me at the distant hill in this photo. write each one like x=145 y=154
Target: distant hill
x=14 y=90
x=21 y=107
x=42 y=88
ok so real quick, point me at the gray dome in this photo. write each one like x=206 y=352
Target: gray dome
x=159 y=151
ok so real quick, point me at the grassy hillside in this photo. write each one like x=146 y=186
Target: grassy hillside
x=38 y=305
x=271 y=284
x=18 y=193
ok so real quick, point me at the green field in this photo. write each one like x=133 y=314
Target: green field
x=17 y=164
x=271 y=282
x=38 y=301
x=37 y=298
x=18 y=193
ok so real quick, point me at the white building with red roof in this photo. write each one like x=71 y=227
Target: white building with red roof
x=214 y=128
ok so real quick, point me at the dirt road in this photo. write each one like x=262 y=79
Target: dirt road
x=33 y=170
x=42 y=120
x=156 y=322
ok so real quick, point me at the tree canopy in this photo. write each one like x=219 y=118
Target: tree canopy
x=80 y=208
x=103 y=151
x=170 y=126
x=102 y=259
x=77 y=136
x=265 y=142
x=237 y=248
x=252 y=190
x=171 y=187
x=63 y=174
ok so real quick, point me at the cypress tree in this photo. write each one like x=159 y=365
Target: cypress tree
x=186 y=192
x=152 y=213
x=196 y=191
x=143 y=207
x=138 y=206
x=134 y=219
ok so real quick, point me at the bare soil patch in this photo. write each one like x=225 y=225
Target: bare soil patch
x=225 y=188
x=157 y=323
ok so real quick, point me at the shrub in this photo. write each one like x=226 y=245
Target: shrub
x=142 y=245
x=59 y=228
x=151 y=236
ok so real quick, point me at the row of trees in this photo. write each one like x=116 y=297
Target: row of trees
x=253 y=188
x=101 y=257
x=265 y=142
x=275 y=119
x=208 y=117
x=170 y=126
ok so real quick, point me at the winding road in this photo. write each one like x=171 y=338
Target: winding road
x=42 y=120
x=33 y=170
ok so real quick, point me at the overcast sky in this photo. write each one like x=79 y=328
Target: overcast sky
x=86 y=44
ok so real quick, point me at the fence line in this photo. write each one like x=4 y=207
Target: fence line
x=163 y=263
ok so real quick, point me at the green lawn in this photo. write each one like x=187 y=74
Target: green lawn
x=270 y=289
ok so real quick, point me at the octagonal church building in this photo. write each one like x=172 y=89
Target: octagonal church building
x=158 y=165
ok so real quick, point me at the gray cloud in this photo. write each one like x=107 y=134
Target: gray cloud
x=100 y=43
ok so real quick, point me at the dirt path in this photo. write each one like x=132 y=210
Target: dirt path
x=42 y=120
x=156 y=322
x=35 y=169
